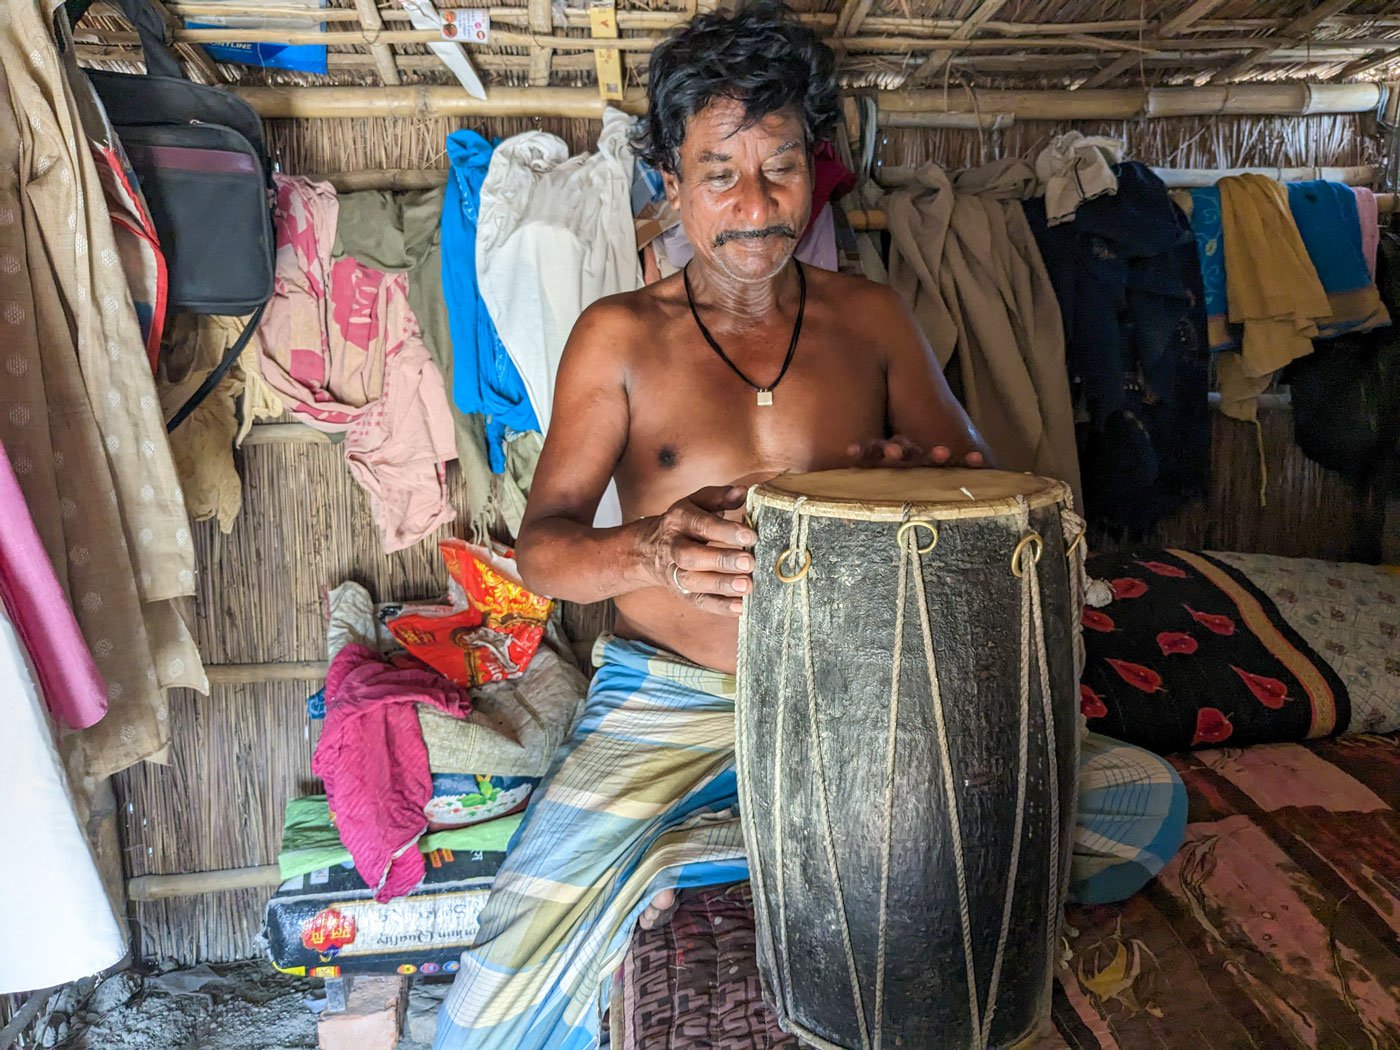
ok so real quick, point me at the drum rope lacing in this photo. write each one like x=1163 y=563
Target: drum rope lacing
x=909 y=560
x=797 y=547
x=778 y=792
x=1030 y=581
x=907 y=542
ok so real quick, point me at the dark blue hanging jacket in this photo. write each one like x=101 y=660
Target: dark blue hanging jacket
x=1126 y=273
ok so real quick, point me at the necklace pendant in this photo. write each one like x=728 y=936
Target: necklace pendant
x=765 y=398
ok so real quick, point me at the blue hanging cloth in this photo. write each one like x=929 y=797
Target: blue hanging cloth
x=485 y=379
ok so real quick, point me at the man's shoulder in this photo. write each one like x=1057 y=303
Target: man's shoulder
x=616 y=314
x=852 y=290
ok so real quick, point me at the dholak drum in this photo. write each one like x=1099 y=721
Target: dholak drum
x=907 y=740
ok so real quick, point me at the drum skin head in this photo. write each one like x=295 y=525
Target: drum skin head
x=938 y=493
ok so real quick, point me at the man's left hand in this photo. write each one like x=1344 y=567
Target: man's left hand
x=899 y=452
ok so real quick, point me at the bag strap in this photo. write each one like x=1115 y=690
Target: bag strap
x=150 y=27
x=212 y=380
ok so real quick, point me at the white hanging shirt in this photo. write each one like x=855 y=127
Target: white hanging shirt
x=555 y=234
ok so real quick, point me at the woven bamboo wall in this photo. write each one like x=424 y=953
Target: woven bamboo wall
x=305 y=527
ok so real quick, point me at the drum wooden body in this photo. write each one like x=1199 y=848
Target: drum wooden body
x=907 y=743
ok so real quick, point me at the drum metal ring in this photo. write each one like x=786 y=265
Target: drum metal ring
x=794 y=577
x=918 y=523
x=1029 y=539
x=1075 y=545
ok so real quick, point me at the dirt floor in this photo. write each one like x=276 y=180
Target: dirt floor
x=241 y=1006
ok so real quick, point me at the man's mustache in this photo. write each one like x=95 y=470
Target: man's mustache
x=781 y=230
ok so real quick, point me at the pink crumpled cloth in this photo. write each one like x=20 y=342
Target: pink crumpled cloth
x=68 y=676
x=374 y=763
x=340 y=345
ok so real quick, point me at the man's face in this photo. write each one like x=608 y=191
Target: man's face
x=743 y=193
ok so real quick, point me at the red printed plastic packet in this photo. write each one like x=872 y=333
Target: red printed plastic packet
x=493 y=626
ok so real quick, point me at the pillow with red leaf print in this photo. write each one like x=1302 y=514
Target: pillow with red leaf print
x=1191 y=654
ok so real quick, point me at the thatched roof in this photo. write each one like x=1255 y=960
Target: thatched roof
x=887 y=44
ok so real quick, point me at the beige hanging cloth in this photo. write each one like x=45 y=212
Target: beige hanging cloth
x=79 y=414
x=963 y=256
x=203 y=444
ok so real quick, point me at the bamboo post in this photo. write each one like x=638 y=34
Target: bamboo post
x=541 y=66
x=192 y=884
x=541 y=15
x=383 y=54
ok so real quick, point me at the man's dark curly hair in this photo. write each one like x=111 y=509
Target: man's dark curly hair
x=762 y=57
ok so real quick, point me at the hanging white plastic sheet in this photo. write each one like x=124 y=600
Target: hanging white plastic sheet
x=455 y=24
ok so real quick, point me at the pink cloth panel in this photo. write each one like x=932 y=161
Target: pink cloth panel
x=72 y=686
x=1369 y=213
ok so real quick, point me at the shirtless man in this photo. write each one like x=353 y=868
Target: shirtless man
x=684 y=424
x=643 y=397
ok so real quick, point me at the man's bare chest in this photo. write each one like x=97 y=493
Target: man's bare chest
x=696 y=419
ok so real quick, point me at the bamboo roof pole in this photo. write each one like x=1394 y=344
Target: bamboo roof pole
x=1014 y=29
x=125 y=48
x=506 y=38
x=360 y=38
x=434 y=100
x=1112 y=71
x=1369 y=64
x=576 y=18
x=968 y=121
x=1300 y=27
x=935 y=63
x=355 y=60
x=1285 y=99
x=483 y=60
x=1189 y=17
x=383 y=54
x=1059 y=61
x=396 y=179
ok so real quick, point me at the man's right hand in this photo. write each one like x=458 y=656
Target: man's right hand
x=696 y=553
